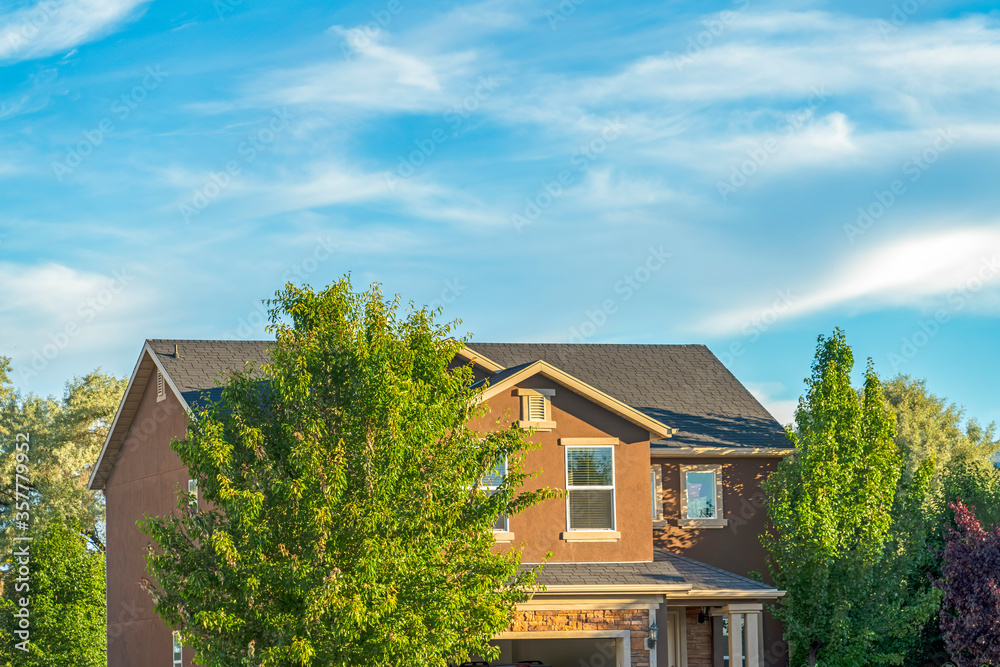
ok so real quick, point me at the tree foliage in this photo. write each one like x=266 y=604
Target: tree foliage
x=846 y=523
x=346 y=524
x=67 y=603
x=970 y=611
x=66 y=436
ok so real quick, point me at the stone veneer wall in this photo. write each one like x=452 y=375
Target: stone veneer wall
x=699 y=640
x=635 y=620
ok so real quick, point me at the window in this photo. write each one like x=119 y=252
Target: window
x=193 y=490
x=590 y=483
x=701 y=496
x=490 y=483
x=536 y=409
x=656 y=494
x=160 y=395
x=178 y=650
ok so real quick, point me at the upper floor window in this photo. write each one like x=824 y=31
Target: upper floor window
x=178 y=650
x=193 y=494
x=536 y=409
x=701 y=496
x=489 y=484
x=590 y=486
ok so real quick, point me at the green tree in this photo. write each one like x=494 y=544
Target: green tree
x=930 y=428
x=66 y=611
x=346 y=524
x=846 y=524
x=66 y=437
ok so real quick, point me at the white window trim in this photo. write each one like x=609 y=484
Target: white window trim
x=592 y=534
x=546 y=424
x=715 y=522
x=176 y=641
x=656 y=495
x=505 y=535
x=193 y=483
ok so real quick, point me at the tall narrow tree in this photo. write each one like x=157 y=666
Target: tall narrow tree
x=836 y=546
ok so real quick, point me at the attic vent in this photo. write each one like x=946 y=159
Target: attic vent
x=536 y=408
x=159 y=386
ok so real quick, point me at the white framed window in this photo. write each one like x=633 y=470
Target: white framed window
x=160 y=393
x=178 y=650
x=656 y=493
x=193 y=491
x=489 y=484
x=590 y=488
x=701 y=496
x=536 y=408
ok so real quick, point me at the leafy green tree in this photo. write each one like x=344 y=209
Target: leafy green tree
x=930 y=428
x=66 y=611
x=846 y=524
x=66 y=437
x=346 y=524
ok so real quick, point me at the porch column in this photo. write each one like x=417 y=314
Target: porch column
x=744 y=617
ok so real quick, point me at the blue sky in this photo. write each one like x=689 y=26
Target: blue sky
x=743 y=174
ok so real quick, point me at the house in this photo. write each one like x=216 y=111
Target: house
x=662 y=453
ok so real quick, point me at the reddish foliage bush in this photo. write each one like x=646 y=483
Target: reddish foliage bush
x=970 y=610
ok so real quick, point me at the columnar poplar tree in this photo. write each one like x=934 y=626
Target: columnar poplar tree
x=346 y=523
x=970 y=611
x=840 y=518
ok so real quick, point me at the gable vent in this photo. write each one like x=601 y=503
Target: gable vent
x=159 y=386
x=536 y=408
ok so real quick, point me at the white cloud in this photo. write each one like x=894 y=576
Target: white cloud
x=372 y=75
x=51 y=26
x=921 y=272
x=781 y=409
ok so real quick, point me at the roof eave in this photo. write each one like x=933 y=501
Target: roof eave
x=113 y=433
x=656 y=428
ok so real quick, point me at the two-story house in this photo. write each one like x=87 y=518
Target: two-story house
x=661 y=452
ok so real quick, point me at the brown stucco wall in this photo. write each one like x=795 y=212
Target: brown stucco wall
x=736 y=547
x=537 y=529
x=141 y=482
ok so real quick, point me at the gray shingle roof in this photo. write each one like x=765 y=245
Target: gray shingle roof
x=683 y=386
x=704 y=577
x=667 y=571
x=200 y=366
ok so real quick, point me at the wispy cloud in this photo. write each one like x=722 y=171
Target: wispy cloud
x=51 y=26
x=919 y=272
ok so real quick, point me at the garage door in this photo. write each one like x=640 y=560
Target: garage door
x=560 y=652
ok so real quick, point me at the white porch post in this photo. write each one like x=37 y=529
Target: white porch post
x=737 y=614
